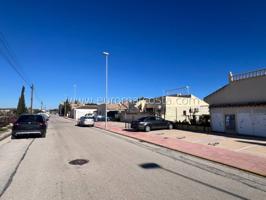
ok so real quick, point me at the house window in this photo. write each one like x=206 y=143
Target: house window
x=230 y=122
x=184 y=112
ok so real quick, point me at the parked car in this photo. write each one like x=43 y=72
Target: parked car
x=151 y=123
x=28 y=124
x=86 y=121
x=101 y=118
x=45 y=115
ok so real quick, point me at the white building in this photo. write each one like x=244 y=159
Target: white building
x=240 y=106
x=80 y=111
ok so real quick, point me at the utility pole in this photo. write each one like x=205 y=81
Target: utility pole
x=65 y=110
x=31 y=99
x=41 y=105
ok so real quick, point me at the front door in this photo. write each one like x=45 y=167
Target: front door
x=230 y=123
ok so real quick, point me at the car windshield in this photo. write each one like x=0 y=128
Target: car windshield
x=30 y=118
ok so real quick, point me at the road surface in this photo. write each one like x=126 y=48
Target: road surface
x=117 y=168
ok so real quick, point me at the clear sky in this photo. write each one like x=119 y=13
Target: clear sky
x=154 y=46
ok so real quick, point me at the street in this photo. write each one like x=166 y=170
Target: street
x=117 y=168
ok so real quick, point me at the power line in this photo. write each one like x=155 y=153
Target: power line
x=9 y=49
x=10 y=57
x=14 y=67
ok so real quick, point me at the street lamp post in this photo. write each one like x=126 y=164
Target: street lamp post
x=106 y=54
x=75 y=92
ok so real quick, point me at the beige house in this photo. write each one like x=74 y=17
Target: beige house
x=134 y=110
x=113 y=110
x=240 y=106
x=173 y=107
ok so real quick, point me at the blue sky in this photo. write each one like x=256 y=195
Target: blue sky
x=154 y=46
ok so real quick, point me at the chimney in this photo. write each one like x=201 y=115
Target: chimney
x=230 y=77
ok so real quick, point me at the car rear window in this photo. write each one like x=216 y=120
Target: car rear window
x=30 y=118
x=142 y=119
x=89 y=118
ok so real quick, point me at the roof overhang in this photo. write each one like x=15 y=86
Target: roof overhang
x=247 y=104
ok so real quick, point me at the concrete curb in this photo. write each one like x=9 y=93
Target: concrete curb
x=233 y=166
x=4 y=135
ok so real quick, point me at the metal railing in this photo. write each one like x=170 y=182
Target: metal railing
x=252 y=74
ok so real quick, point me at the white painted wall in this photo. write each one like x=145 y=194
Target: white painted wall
x=244 y=123
x=260 y=124
x=217 y=121
x=81 y=112
x=249 y=120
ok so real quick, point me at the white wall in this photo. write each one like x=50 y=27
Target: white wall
x=81 y=112
x=217 y=121
x=249 y=120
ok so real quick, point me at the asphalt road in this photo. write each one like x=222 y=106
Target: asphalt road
x=118 y=168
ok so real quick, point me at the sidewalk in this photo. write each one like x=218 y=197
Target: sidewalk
x=244 y=161
x=5 y=134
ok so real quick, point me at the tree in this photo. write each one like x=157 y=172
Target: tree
x=21 y=108
x=67 y=107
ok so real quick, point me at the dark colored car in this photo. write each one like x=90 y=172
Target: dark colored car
x=29 y=125
x=151 y=123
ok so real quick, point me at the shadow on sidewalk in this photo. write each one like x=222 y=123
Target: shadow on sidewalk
x=249 y=142
x=130 y=130
x=229 y=135
x=236 y=136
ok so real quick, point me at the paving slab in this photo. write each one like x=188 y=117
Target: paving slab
x=5 y=134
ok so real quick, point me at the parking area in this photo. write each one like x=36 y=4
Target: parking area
x=249 y=145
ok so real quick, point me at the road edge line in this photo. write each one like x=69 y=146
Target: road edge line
x=15 y=171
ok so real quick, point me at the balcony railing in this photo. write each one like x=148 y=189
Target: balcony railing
x=252 y=74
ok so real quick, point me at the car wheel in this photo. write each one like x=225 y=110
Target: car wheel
x=43 y=135
x=13 y=137
x=147 y=128
x=170 y=126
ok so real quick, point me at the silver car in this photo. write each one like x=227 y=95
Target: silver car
x=86 y=121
